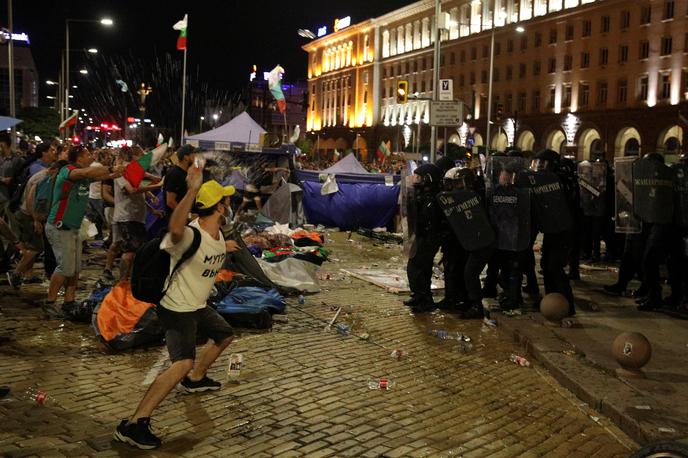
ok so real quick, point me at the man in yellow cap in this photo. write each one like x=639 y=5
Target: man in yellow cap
x=183 y=310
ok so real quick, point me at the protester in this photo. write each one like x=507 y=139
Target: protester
x=64 y=222
x=183 y=310
x=175 y=180
x=95 y=200
x=10 y=164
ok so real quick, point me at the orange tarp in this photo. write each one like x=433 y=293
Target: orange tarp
x=120 y=311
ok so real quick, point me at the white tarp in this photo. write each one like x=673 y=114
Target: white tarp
x=292 y=273
x=241 y=129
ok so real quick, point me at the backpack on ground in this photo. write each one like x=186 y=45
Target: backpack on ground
x=151 y=268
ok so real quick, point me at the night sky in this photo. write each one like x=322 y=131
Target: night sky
x=224 y=39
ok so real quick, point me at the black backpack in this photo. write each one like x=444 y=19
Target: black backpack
x=151 y=268
x=19 y=181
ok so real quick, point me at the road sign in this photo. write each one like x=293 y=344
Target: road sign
x=446 y=113
x=446 y=89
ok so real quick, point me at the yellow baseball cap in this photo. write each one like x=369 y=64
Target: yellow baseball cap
x=212 y=192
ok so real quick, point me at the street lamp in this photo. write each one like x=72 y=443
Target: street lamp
x=83 y=71
x=105 y=22
x=200 y=123
x=50 y=83
x=92 y=50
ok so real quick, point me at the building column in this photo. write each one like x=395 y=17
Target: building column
x=375 y=96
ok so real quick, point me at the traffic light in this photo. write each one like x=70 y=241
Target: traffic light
x=500 y=111
x=402 y=91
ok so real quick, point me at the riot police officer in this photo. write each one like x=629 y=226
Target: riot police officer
x=677 y=263
x=427 y=179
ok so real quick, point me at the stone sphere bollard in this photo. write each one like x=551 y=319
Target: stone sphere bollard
x=554 y=307
x=632 y=351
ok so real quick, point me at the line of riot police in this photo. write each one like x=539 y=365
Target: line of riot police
x=490 y=215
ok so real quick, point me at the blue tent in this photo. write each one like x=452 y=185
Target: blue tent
x=364 y=199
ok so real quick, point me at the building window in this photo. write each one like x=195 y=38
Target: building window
x=552 y=97
x=462 y=56
x=415 y=66
x=602 y=93
x=538 y=39
x=474 y=53
x=521 y=70
x=685 y=43
x=486 y=52
x=452 y=58
x=585 y=59
x=552 y=65
x=509 y=106
x=509 y=72
x=622 y=92
x=462 y=80
x=604 y=26
x=406 y=66
x=524 y=43
x=399 y=70
x=567 y=96
x=552 y=36
x=495 y=75
x=625 y=19
x=623 y=53
x=583 y=94
x=536 y=100
x=666 y=46
x=497 y=48
x=365 y=78
x=604 y=56
x=422 y=86
x=441 y=60
x=587 y=28
x=668 y=9
x=569 y=32
x=536 y=68
x=391 y=71
x=483 y=76
x=510 y=46
x=646 y=15
x=666 y=85
x=568 y=62
x=644 y=49
x=522 y=102
x=425 y=63
x=643 y=85
x=365 y=96
x=384 y=92
x=472 y=78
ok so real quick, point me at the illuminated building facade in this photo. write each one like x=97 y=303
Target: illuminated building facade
x=583 y=76
x=25 y=74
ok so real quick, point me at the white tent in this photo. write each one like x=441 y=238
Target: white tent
x=241 y=129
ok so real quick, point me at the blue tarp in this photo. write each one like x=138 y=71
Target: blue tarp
x=355 y=205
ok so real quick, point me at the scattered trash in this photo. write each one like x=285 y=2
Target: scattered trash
x=334 y=318
x=398 y=354
x=364 y=336
x=490 y=322
x=445 y=335
x=666 y=430
x=520 y=360
x=595 y=419
x=643 y=407
x=39 y=397
x=514 y=312
x=234 y=369
x=383 y=383
x=569 y=352
x=302 y=300
x=343 y=329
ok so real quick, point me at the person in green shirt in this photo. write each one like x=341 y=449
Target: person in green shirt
x=70 y=199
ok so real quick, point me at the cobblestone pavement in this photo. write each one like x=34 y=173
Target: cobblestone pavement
x=303 y=391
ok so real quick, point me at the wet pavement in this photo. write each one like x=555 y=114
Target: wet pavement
x=303 y=391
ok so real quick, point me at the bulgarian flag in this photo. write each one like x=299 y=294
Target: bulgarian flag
x=383 y=151
x=275 y=85
x=181 y=26
x=69 y=122
x=135 y=171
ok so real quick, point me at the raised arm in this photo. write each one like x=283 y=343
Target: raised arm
x=178 y=220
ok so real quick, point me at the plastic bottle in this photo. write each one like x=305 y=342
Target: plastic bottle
x=398 y=353
x=302 y=300
x=39 y=397
x=520 y=360
x=382 y=383
x=234 y=369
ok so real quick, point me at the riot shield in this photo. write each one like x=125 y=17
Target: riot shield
x=467 y=218
x=408 y=213
x=625 y=221
x=509 y=210
x=549 y=205
x=592 y=182
x=502 y=170
x=653 y=191
x=680 y=195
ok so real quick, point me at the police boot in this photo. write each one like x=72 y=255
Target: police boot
x=475 y=312
x=652 y=302
x=448 y=304
x=425 y=305
x=414 y=299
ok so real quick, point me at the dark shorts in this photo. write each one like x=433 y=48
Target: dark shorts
x=26 y=232
x=181 y=329
x=131 y=235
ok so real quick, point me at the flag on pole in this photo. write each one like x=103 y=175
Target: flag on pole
x=135 y=170
x=69 y=122
x=275 y=85
x=181 y=26
x=383 y=151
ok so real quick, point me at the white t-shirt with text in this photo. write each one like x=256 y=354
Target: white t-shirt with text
x=191 y=285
